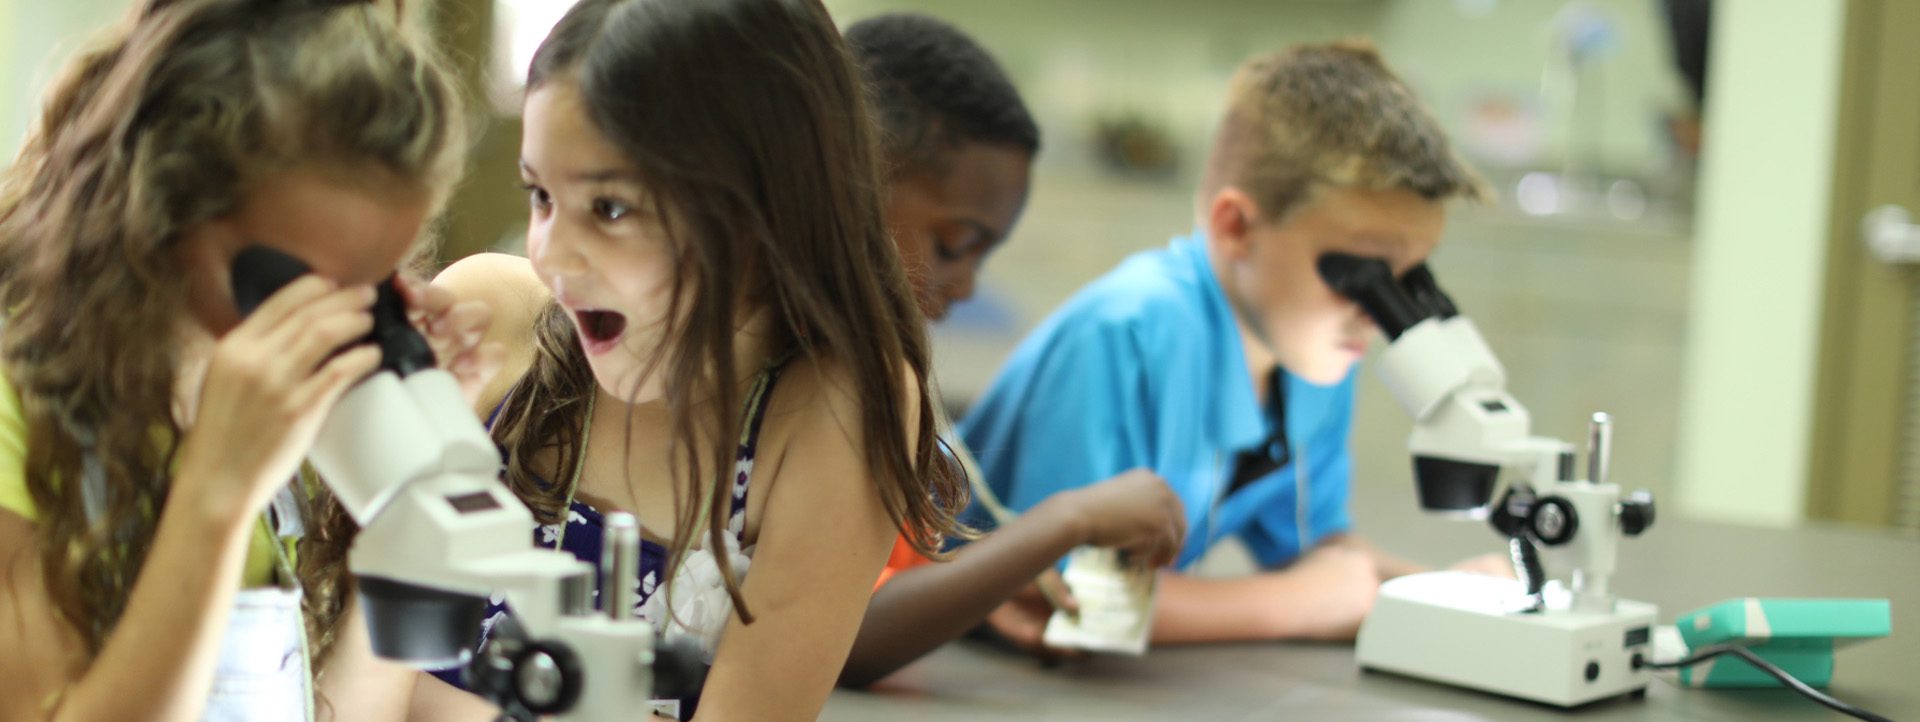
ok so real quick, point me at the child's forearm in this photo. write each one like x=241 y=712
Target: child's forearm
x=1386 y=565
x=1194 y=610
x=179 y=603
x=927 y=606
x=1321 y=597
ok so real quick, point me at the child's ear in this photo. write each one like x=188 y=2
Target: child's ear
x=1231 y=218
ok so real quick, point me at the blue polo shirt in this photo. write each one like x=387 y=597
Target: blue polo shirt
x=1144 y=368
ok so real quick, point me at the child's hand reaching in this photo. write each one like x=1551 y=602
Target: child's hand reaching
x=1022 y=619
x=455 y=329
x=1135 y=512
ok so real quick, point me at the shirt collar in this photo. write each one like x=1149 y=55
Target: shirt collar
x=1240 y=422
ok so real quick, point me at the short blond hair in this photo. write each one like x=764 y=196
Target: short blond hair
x=1329 y=114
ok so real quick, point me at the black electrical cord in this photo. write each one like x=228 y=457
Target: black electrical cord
x=1711 y=651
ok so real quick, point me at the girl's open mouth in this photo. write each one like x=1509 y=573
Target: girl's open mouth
x=600 y=330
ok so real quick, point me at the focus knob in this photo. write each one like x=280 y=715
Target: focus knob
x=1554 y=521
x=546 y=678
x=1636 y=513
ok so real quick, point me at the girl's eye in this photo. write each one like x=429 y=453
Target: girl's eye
x=610 y=210
x=537 y=196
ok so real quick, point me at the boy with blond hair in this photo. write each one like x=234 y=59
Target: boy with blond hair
x=1224 y=364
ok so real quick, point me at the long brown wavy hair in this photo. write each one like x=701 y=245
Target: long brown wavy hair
x=167 y=124
x=747 y=122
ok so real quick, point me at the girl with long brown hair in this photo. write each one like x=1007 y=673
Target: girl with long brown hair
x=714 y=332
x=148 y=434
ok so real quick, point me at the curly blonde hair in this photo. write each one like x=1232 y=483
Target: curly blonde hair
x=169 y=122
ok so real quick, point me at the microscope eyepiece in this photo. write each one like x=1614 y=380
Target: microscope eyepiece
x=1425 y=290
x=1369 y=282
x=259 y=272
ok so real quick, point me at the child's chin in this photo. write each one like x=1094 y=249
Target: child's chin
x=1328 y=371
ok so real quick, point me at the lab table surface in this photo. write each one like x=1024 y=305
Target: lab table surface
x=1680 y=565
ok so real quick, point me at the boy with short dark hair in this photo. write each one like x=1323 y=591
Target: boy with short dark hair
x=959 y=145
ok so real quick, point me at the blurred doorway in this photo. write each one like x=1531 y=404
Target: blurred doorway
x=1865 y=460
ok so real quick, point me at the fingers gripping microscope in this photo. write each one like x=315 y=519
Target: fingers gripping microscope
x=405 y=455
x=1535 y=638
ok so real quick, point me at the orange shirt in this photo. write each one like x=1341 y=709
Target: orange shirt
x=903 y=558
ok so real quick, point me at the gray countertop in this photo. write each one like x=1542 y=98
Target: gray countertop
x=1679 y=565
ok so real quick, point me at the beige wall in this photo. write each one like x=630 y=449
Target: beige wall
x=36 y=36
x=1754 y=319
x=10 y=119
x=1074 y=58
x=1747 y=291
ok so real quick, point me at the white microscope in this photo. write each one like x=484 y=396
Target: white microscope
x=406 y=456
x=1559 y=644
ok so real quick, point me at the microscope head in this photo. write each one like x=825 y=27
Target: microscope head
x=1441 y=372
x=396 y=429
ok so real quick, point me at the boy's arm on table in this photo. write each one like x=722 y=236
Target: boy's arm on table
x=926 y=606
x=1386 y=565
x=1390 y=566
x=1060 y=418
x=1322 y=596
x=1319 y=595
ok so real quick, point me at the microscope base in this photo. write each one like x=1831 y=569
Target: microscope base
x=1463 y=630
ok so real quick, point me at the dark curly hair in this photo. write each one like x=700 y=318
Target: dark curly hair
x=933 y=88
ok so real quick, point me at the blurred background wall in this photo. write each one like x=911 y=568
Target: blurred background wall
x=1600 y=275
x=1578 y=274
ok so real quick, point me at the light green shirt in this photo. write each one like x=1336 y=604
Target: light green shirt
x=14 y=496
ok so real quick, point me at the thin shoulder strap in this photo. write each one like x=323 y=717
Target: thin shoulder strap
x=757 y=402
